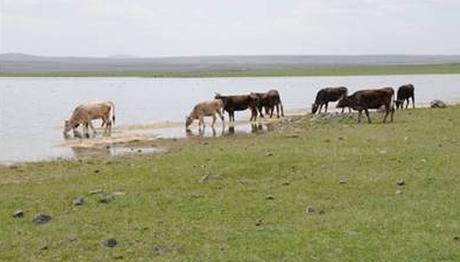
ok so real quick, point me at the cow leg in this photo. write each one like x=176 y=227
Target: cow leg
x=413 y=102
x=392 y=112
x=213 y=120
x=387 y=111
x=260 y=111
x=221 y=116
x=92 y=127
x=320 y=107
x=277 y=111
x=360 y=112
x=367 y=114
x=327 y=103
x=343 y=110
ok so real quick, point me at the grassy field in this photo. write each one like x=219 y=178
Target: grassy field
x=310 y=71
x=244 y=198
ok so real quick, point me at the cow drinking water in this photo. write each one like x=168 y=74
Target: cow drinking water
x=84 y=115
x=207 y=108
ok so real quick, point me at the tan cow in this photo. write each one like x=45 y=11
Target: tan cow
x=84 y=115
x=208 y=108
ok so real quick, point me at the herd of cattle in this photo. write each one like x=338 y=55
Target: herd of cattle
x=360 y=101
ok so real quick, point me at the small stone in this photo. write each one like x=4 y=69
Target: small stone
x=457 y=239
x=111 y=242
x=310 y=209
x=398 y=192
x=269 y=154
x=286 y=183
x=41 y=219
x=18 y=213
x=400 y=182
x=79 y=201
x=204 y=179
x=44 y=247
x=94 y=192
x=118 y=193
x=105 y=199
x=259 y=222
x=270 y=197
x=139 y=151
x=342 y=181
x=97 y=171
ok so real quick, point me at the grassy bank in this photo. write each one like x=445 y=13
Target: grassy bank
x=310 y=71
x=244 y=198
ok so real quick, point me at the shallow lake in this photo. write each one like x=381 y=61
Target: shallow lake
x=32 y=110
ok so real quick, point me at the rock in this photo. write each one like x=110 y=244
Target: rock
x=438 y=104
x=398 y=192
x=400 y=182
x=270 y=197
x=18 y=213
x=41 y=219
x=457 y=239
x=203 y=179
x=111 y=242
x=44 y=247
x=94 y=192
x=311 y=210
x=118 y=193
x=97 y=171
x=342 y=181
x=79 y=201
x=286 y=183
x=105 y=199
x=269 y=154
x=259 y=222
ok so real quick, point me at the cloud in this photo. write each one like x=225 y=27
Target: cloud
x=207 y=27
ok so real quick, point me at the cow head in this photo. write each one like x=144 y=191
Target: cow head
x=217 y=95
x=67 y=127
x=399 y=103
x=343 y=102
x=314 y=108
x=188 y=122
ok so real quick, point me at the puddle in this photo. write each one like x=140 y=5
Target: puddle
x=112 y=150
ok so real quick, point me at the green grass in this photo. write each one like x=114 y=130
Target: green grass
x=167 y=214
x=310 y=71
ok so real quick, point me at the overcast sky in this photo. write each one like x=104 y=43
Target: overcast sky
x=211 y=27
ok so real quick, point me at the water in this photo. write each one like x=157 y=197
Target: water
x=32 y=110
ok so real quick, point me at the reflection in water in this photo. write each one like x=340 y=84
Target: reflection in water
x=106 y=151
x=232 y=130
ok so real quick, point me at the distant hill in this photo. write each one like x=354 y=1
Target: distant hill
x=25 y=63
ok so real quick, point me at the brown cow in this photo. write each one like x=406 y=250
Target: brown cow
x=239 y=103
x=269 y=101
x=404 y=93
x=207 y=108
x=370 y=99
x=326 y=95
x=85 y=113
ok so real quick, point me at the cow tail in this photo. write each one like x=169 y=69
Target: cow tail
x=113 y=112
x=281 y=107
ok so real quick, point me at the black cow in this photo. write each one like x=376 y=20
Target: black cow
x=239 y=103
x=405 y=93
x=269 y=101
x=370 y=99
x=326 y=95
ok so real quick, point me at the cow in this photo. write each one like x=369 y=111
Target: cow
x=84 y=114
x=239 y=103
x=369 y=99
x=326 y=95
x=405 y=93
x=269 y=101
x=207 y=108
